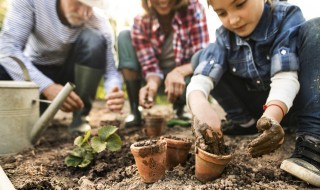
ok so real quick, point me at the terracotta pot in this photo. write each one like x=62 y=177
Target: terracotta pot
x=154 y=126
x=209 y=166
x=177 y=151
x=150 y=158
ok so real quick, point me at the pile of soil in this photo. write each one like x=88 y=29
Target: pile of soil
x=43 y=167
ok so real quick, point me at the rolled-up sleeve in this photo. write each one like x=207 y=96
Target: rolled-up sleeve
x=212 y=61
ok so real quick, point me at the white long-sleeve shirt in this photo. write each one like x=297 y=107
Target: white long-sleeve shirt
x=284 y=87
x=33 y=33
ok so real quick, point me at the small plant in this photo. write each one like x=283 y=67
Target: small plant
x=88 y=147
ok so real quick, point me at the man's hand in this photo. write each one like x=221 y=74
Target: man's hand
x=149 y=91
x=271 y=138
x=115 y=99
x=174 y=85
x=73 y=101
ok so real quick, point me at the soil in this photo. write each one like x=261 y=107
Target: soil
x=43 y=168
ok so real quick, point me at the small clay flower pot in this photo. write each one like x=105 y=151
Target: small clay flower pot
x=154 y=125
x=209 y=166
x=177 y=150
x=150 y=158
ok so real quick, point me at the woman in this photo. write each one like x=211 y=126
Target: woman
x=158 y=49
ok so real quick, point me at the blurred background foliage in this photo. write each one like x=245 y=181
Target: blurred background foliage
x=3 y=10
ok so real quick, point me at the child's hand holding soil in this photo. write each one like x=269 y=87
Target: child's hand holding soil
x=208 y=139
x=271 y=138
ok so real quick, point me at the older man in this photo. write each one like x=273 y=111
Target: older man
x=60 y=41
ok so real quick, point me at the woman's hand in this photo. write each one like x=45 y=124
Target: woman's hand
x=115 y=99
x=174 y=85
x=149 y=91
x=72 y=103
x=272 y=137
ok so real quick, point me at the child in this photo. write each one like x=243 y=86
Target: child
x=159 y=48
x=263 y=54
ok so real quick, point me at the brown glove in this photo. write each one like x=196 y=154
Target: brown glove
x=271 y=138
x=207 y=139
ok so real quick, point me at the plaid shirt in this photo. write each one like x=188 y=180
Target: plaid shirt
x=190 y=33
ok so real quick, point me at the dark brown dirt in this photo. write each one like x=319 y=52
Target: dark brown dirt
x=43 y=168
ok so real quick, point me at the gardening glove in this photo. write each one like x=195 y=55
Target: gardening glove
x=271 y=138
x=207 y=139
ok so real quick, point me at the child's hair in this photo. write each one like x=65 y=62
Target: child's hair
x=146 y=5
x=266 y=1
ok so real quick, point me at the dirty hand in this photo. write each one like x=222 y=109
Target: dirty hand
x=115 y=99
x=207 y=138
x=271 y=138
x=174 y=85
x=148 y=92
x=73 y=101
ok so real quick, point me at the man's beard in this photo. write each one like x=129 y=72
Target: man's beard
x=75 y=19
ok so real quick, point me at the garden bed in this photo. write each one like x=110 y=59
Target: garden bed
x=43 y=167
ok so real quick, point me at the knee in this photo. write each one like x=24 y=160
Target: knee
x=309 y=34
x=92 y=39
x=311 y=27
x=124 y=37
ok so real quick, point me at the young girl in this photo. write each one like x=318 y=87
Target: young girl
x=158 y=49
x=263 y=54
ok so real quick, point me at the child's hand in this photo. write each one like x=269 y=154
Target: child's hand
x=207 y=138
x=271 y=138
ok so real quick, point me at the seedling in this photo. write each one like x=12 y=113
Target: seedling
x=88 y=147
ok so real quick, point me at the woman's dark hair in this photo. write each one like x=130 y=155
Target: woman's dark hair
x=146 y=5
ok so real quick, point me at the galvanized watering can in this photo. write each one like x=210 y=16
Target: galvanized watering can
x=20 y=121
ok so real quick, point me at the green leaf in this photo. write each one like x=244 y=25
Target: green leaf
x=105 y=132
x=72 y=161
x=114 y=143
x=80 y=140
x=78 y=152
x=87 y=160
x=84 y=163
x=86 y=136
x=97 y=144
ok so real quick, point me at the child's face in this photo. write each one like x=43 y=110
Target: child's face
x=239 y=16
x=163 y=7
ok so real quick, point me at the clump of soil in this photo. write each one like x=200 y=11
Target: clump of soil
x=177 y=138
x=146 y=143
x=115 y=122
x=209 y=140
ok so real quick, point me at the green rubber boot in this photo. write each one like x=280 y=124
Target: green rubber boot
x=86 y=80
x=134 y=119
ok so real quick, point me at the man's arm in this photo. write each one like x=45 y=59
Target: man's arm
x=18 y=25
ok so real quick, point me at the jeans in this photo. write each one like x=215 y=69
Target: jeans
x=242 y=103
x=88 y=50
